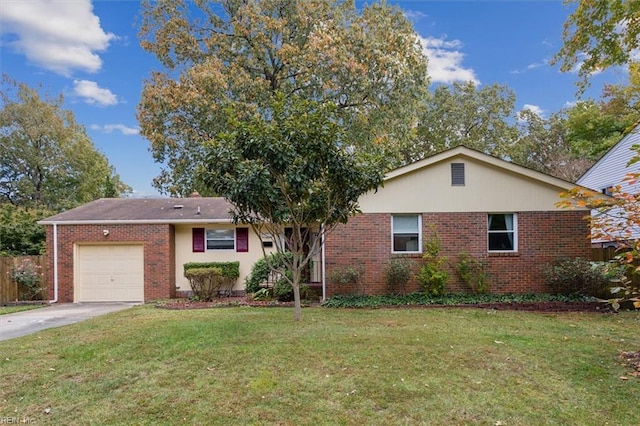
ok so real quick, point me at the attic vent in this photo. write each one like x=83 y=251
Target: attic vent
x=178 y=206
x=457 y=174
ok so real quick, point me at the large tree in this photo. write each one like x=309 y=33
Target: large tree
x=289 y=109
x=599 y=34
x=235 y=55
x=544 y=145
x=46 y=158
x=463 y=114
x=290 y=176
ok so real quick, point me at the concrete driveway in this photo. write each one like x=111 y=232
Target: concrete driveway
x=26 y=322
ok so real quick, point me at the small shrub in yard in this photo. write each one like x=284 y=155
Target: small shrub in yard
x=433 y=276
x=263 y=269
x=28 y=276
x=473 y=273
x=397 y=274
x=206 y=283
x=580 y=276
x=347 y=279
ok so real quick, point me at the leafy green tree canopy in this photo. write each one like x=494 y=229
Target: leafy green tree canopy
x=462 y=114
x=291 y=169
x=599 y=34
x=19 y=232
x=235 y=55
x=46 y=158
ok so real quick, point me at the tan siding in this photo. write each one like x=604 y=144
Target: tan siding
x=487 y=188
x=185 y=254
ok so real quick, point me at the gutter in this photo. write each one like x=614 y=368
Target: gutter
x=55 y=264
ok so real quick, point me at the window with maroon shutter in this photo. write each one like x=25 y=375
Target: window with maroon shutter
x=242 y=239
x=198 y=240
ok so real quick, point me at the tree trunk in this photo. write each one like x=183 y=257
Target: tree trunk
x=297 y=315
x=296 y=293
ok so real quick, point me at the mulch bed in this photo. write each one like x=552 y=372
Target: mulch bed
x=595 y=307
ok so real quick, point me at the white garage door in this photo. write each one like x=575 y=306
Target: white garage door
x=110 y=273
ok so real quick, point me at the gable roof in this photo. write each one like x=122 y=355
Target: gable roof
x=463 y=151
x=146 y=210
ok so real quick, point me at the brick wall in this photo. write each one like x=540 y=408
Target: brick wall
x=159 y=255
x=542 y=238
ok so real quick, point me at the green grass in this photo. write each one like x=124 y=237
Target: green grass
x=18 y=308
x=387 y=366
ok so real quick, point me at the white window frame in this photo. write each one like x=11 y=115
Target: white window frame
x=419 y=250
x=207 y=239
x=514 y=231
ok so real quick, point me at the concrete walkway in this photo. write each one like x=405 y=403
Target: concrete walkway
x=26 y=322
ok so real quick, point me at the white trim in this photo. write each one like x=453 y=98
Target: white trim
x=419 y=233
x=216 y=250
x=515 y=233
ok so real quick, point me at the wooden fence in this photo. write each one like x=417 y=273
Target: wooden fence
x=10 y=291
x=607 y=254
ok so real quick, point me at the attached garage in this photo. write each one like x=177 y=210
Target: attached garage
x=109 y=273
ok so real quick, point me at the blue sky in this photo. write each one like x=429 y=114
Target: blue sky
x=89 y=51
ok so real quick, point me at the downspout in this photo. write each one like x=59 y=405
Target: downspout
x=322 y=262
x=55 y=264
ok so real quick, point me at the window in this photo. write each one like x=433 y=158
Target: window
x=406 y=233
x=503 y=234
x=608 y=190
x=457 y=174
x=220 y=239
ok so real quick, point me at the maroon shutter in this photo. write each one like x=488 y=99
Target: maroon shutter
x=198 y=240
x=242 y=239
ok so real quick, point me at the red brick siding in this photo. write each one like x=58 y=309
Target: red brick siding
x=542 y=237
x=159 y=255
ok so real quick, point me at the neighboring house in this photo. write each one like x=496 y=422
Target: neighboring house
x=610 y=170
x=493 y=210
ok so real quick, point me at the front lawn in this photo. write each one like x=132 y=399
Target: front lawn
x=338 y=366
x=19 y=308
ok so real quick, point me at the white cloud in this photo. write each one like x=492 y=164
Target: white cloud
x=414 y=15
x=535 y=109
x=93 y=94
x=110 y=128
x=445 y=61
x=60 y=36
x=582 y=57
x=530 y=67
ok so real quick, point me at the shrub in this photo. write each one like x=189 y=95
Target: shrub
x=206 y=283
x=347 y=279
x=227 y=269
x=263 y=271
x=432 y=276
x=473 y=273
x=580 y=276
x=397 y=274
x=28 y=276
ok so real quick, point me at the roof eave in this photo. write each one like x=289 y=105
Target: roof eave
x=133 y=221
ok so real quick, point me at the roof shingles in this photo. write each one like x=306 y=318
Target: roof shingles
x=141 y=210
